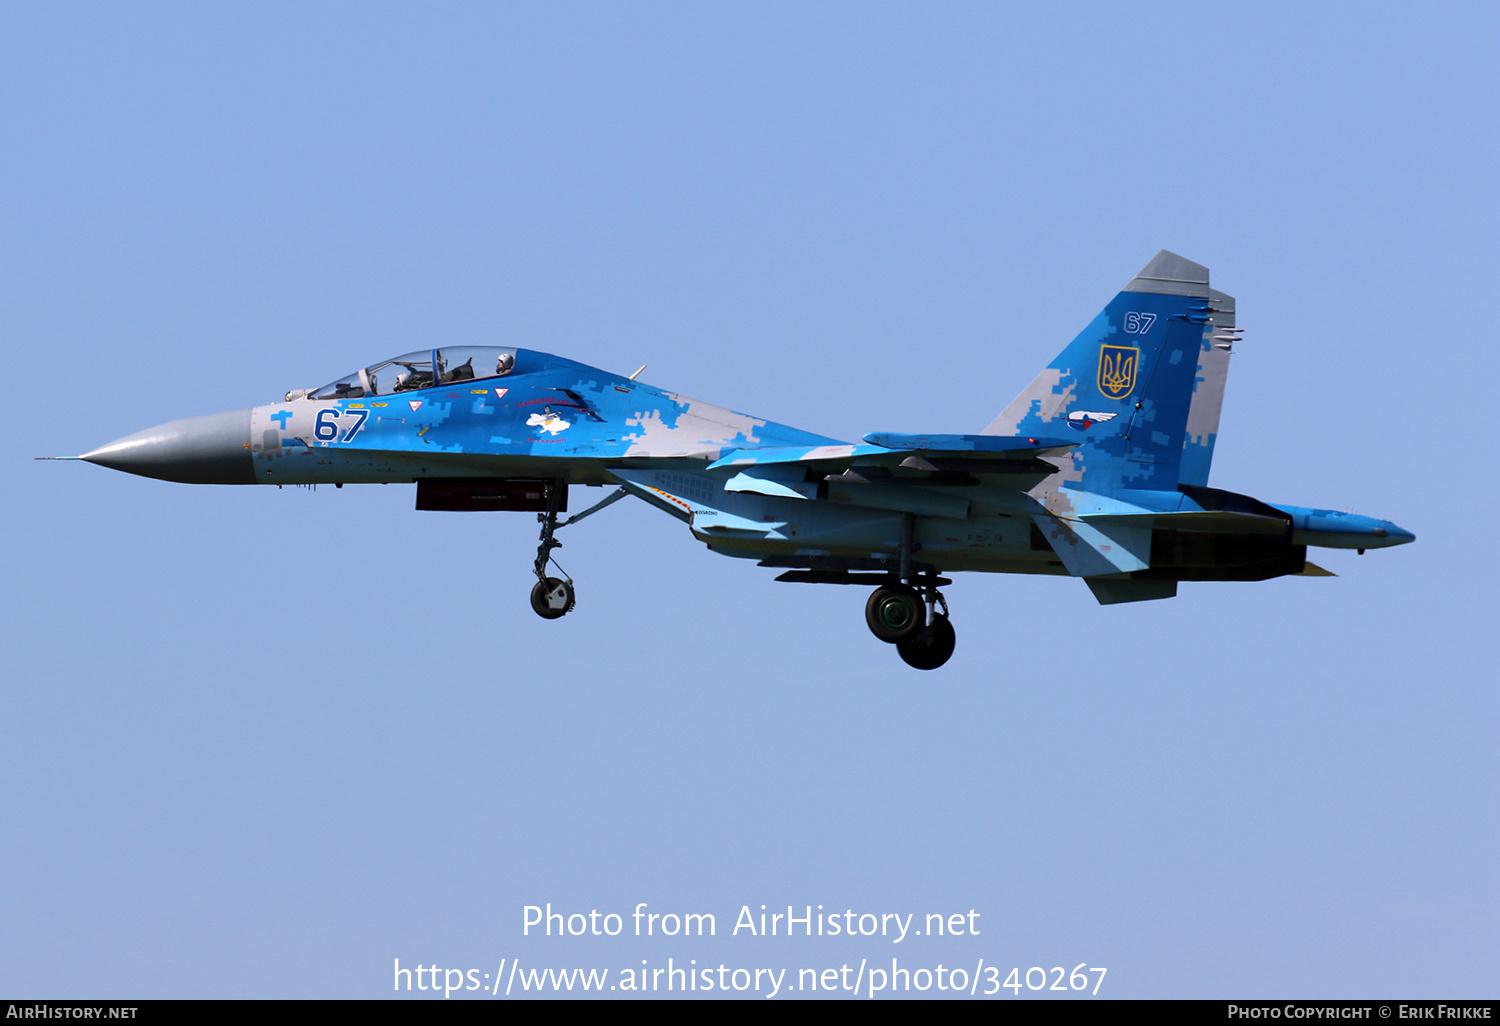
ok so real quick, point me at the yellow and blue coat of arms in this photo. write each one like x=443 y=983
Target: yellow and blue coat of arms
x=1117 y=367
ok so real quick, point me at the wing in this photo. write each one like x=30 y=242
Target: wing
x=924 y=454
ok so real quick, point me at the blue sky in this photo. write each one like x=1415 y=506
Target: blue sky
x=262 y=742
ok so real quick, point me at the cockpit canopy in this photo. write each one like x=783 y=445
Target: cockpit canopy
x=422 y=369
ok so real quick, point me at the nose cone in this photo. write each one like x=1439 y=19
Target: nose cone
x=199 y=450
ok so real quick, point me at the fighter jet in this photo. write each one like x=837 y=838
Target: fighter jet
x=1097 y=470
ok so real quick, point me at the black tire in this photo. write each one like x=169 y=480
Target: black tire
x=895 y=612
x=552 y=598
x=930 y=648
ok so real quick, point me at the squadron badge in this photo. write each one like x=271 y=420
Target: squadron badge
x=1082 y=420
x=547 y=421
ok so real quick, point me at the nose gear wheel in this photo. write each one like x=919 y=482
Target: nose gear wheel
x=552 y=597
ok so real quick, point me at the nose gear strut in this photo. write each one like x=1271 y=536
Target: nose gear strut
x=552 y=597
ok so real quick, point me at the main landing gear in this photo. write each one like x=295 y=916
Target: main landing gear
x=909 y=619
x=553 y=597
x=907 y=616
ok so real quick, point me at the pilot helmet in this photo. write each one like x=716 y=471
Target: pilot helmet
x=506 y=363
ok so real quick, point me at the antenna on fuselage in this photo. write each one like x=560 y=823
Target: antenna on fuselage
x=637 y=373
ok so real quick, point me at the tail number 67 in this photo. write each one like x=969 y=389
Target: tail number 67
x=327 y=427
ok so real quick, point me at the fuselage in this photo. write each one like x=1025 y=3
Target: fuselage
x=546 y=417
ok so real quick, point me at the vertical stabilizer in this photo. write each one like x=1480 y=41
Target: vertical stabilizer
x=1129 y=385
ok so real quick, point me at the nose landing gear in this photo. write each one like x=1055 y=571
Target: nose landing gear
x=553 y=597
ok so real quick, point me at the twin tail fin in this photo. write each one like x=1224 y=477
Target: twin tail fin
x=1140 y=387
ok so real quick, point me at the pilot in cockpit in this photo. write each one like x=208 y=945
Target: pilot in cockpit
x=505 y=363
x=412 y=377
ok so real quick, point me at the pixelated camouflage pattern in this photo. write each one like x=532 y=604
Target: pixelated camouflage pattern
x=1126 y=414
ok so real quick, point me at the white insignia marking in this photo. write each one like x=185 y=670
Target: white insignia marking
x=415 y=404
x=548 y=422
x=1082 y=420
x=500 y=393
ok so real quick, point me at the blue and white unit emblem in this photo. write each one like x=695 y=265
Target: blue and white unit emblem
x=1082 y=420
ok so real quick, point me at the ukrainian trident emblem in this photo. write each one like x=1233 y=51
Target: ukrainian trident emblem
x=1117 y=366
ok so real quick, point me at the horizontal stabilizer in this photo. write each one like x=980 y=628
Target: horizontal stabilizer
x=1210 y=521
x=1088 y=551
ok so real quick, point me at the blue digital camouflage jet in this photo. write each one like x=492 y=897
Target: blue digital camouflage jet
x=1098 y=469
